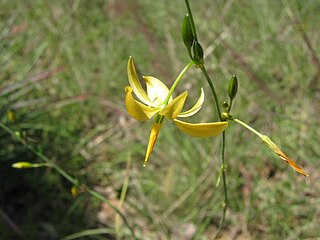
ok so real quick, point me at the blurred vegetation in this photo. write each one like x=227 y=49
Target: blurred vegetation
x=63 y=70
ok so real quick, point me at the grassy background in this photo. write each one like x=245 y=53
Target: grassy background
x=63 y=71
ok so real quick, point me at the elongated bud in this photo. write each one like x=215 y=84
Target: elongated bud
x=233 y=87
x=197 y=53
x=187 y=35
x=22 y=165
x=29 y=165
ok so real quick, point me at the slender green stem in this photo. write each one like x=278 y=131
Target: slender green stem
x=67 y=176
x=105 y=200
x=176 y=82
x=205 y=73
x=222 y=159
x=247 y=127
x=230 y=105
x=123 y=193
x=225 y=186
x=36 y=165
x=89 y=232
x=193 y=27
x=159 y=118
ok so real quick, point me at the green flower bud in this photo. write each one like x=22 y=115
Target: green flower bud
x=187 y=35
x=225 y=105
x=197 y=53
x=233 y=87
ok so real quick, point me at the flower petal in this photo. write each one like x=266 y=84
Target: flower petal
x=157 y=91
x=201 y=129
x=195 y=108
x=136 y=109
x=292 y=164
x=136 y=85
x=152 y=140
x=282 y=155
x=173 y=109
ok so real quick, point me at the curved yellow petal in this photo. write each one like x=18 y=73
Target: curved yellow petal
x=157 y=91
x=136 y=109
x=201 y=129
x=152 y=140
x=136 y=85
x=195 y=108
x=173 y=109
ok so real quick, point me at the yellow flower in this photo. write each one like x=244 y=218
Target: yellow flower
x=157 y=100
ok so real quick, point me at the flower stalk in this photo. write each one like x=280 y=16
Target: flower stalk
x=222 y=156
x=176 y=81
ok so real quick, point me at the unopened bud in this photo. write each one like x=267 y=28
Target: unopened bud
x=187 y=35
x=225 y=104
x=233 y=87
x=198 y=53
x=29 y=165
x=22 y=165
